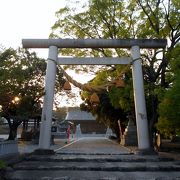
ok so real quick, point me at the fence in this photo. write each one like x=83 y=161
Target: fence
x=8 y=147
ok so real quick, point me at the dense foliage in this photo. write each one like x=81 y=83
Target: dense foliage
x=169 y=108
x=22 y=76
x=111 y=19
x=21 y=79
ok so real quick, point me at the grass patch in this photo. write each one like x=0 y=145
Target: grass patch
x=2 y=164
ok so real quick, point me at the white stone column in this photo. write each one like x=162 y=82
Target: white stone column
x=46 y=119
x=139 y=98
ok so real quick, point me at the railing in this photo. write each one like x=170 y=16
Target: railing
x=8 y=147
x=59 y=131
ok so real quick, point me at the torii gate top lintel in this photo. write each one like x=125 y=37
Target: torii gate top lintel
x=94 y=43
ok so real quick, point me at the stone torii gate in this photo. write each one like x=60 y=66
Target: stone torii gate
x=133 y=44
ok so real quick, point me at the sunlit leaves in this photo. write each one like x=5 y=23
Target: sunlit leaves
x=22 y=75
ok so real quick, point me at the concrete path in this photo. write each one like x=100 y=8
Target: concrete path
x=94 y=158
x=29 y=147
x=93 y=145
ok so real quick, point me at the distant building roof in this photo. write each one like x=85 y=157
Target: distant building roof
x=79 y=115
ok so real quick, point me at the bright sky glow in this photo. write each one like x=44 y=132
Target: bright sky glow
x=23 y=19
x=27 y=19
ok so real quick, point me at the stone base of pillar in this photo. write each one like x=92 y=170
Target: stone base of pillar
x=149 y=151
x=129 y=137
x=43 y=152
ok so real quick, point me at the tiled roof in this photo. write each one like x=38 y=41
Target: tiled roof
x=79 y=115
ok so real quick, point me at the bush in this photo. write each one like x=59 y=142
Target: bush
x=2 y=164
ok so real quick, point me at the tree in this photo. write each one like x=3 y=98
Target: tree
x=160 y=21
x=114 y=105
x=112 y=19
x=96 y=22
x=22 y=86
x=105 y=113
x=21 y=79
x=169 y=108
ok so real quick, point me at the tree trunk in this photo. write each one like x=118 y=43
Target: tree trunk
x=13 y=125
x=153 y=118
x=12 y=132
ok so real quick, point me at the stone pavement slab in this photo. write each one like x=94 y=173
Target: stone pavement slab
x=99 y=166
x=92 y=145
x=92 y=175
x=97 y=157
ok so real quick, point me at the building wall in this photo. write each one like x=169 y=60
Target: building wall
x=89 y=127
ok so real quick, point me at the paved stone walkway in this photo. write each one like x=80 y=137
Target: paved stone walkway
x=29 y=147
x=94 y=158
x=93 y=145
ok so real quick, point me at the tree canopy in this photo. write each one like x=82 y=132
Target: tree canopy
x=112 y=19
x=169 y=108
x=21 y=78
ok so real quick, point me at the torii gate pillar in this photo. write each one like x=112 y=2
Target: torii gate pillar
x=46 y=118
x=139 y=98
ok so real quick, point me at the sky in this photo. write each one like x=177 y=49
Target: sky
x=23 y=19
